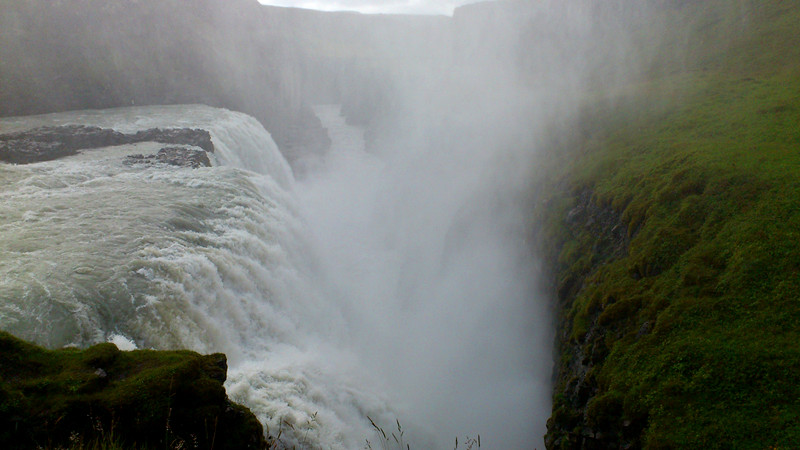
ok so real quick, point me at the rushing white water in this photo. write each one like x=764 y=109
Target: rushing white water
x=437 y=285
x=357 y=291
x=212 y=259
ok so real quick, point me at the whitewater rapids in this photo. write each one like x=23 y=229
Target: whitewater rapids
x=330 y=298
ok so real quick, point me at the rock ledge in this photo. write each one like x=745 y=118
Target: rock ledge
x=49 y=143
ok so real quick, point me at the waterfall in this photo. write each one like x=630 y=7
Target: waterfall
x=381 y=286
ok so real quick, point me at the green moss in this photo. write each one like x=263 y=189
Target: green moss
x=142 y=399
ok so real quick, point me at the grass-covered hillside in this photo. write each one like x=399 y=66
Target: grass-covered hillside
x=103 y=398
x=672 y=216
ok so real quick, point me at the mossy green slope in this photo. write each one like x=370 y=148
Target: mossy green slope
x=681 y=314
x=139 y=399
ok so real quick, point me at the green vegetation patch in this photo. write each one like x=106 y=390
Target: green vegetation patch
x=140 y=399
x=684 y=333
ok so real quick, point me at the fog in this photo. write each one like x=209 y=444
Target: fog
x=421 y=227
x=437 y=291
x=426 y=233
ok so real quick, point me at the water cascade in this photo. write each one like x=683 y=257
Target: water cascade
x=392 y=287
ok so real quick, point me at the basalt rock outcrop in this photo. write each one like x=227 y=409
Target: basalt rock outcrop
x=600 y=231
x=173 y=156
x=53 y=142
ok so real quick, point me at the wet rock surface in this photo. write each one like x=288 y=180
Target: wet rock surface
x=603 y=233
x=174 y=156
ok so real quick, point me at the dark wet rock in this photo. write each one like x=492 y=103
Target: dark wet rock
x=174 y=156
x=601 y=232
x=179 y=136
x=49 y=143
x=601 y=221
x=644 y=329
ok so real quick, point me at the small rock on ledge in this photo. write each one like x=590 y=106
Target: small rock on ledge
x=174 y=156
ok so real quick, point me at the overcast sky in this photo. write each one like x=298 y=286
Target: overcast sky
x=376 y=6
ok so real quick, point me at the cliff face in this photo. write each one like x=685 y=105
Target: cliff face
x=669 y=218
x=83 y=54
x=271 y=63
x=593 y=236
